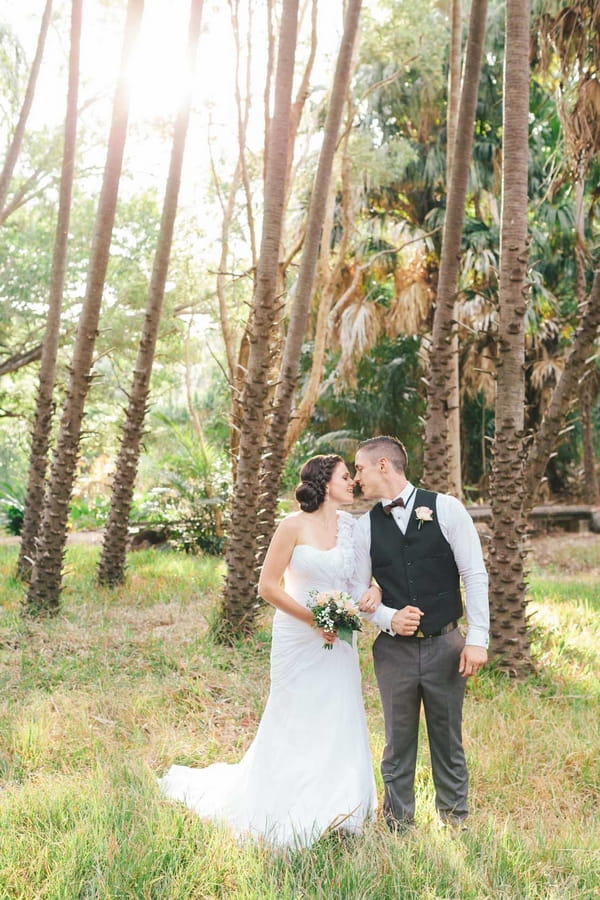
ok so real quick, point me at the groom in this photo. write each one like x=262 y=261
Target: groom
x=418 y=545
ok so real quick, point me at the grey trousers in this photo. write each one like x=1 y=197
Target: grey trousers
x=411 y=671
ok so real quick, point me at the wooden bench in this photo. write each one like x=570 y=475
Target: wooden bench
x=543 y=518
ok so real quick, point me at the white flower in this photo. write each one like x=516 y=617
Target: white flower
x=424 y=514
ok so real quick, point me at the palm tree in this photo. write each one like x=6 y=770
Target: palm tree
x=40 y=436
x=111 y=568
x=510 y=638
x=588 y=393
x=274 y=459
x=441 y=357
x=43 y=597
x=240 y=583
x=453 y=403
x=568 y=41
x=565 y=392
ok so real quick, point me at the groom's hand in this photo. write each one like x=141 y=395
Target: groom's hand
x=472 y=659
x=371 y=599
x=406 y=620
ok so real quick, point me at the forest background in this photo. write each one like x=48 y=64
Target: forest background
x=104 y=685
x=368 y=343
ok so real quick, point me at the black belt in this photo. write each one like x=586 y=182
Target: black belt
x=446 y=628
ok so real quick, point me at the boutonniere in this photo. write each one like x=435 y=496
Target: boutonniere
x=424 y=514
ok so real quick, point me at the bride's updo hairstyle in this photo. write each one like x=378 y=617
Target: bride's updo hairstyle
x=315 y=475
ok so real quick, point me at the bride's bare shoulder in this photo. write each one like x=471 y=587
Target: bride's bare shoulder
x=291 y=523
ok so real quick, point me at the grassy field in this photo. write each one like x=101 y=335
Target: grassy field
x=96 y=703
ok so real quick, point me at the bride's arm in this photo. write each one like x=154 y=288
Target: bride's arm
x=276 y=561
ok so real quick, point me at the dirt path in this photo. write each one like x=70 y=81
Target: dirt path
x=544 y=548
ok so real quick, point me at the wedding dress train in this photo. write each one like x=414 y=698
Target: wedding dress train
x=309 y=767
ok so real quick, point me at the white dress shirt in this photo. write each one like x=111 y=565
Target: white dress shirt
x=460 y=532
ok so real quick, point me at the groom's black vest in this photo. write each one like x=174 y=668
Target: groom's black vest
x=416 y=568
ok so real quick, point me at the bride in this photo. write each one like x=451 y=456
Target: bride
x=309 y=767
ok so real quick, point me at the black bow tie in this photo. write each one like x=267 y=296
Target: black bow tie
x=389 y=506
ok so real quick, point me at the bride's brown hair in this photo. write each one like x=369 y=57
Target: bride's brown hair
x=315 y=475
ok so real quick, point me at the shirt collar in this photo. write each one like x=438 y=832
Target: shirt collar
x=406 y=495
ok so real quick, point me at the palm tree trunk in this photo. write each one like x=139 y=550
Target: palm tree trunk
x=243 y=113
x=17 y=140
x=111 y=568
x=40 y=437
x=454 y=58
x=564 y=393
x=510 y=639
x=273 y=461
x=587 y=397
x=441 y=355
x=240 y=584
x=325 y=290
x=454 y=432
x=43 y=597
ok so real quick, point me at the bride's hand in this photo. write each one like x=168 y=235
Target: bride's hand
x=328 y=636
x=371 y=599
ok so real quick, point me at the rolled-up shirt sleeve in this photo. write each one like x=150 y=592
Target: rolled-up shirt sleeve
x=382 y=617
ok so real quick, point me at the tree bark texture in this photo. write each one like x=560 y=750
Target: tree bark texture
x=15 y=145
x=509 y=633
x=240 y=599
x=43 y=597
x=111 y=568
x=40 y=436
x=441 y=351
x=548 y=433
x=587 y=399
x=327 y=278
x=454 y=433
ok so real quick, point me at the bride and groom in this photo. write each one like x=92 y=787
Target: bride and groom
x=309 y=767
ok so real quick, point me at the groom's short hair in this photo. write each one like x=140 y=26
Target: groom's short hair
x=390 y=447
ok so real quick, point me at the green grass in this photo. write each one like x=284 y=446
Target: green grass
x=97 y=702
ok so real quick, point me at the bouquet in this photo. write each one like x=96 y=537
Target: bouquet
x=335 y=611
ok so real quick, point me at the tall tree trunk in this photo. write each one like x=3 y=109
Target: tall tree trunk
x=240 y=583
x=510 y=639
x=43 y=597
x=273 y=460
x=454 y=58
x=326 y=281
x=111 y=568
x=587 y=397
x=440 y=355
x=454 y=432
x=243 y=112
x=40 y=436
x=224 y=318
x=237 y=372
x=17 y=140
x=565 y=392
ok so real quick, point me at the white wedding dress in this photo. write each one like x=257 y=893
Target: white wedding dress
x=309 y=766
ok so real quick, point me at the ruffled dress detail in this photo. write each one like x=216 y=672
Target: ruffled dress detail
x=309 y=766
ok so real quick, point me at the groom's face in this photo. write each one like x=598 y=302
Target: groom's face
x=369 y=475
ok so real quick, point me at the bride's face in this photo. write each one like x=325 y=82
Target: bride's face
x=341 y=485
